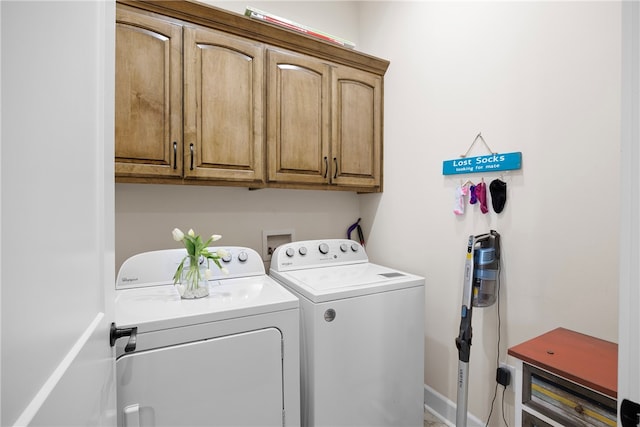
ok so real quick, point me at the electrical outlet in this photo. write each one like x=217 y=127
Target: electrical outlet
x=512 y=371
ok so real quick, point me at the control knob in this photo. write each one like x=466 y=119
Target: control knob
x=302 y=250
x=227 y=257
x=290 y=252
x=343 y=247
x=323 y=248
x=243 y=257
x=355 y=247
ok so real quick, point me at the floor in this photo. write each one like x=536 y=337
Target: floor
x=430 y=420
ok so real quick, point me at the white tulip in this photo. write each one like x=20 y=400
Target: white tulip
x=191 y=232
x=222 y=253
x=208 y=274
x=178 y=235
x=224 y=270
x=216 y=237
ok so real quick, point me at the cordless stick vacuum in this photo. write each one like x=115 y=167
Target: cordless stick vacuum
x=480 y=288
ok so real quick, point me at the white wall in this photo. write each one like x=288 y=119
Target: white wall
x=629 y=291
x=542 y=78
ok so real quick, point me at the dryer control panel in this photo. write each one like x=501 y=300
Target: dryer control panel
x=158 y=267
x=317 y=253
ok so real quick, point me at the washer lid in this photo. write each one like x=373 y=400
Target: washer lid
x=346 y=281
x=160 y=307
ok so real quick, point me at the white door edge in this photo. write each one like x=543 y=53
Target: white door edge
x=48 y=387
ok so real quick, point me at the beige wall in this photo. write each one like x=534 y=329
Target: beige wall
x=146 y=214
x=542 y=78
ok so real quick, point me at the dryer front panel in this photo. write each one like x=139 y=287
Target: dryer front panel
x=234 y=380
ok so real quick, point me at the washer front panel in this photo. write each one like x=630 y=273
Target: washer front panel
x=362 y=360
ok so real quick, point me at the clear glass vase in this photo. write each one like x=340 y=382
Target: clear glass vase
x=193 y=282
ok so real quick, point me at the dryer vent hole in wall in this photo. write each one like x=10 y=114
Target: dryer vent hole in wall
x=271 y=239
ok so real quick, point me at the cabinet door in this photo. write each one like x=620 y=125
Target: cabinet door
x=223 y=96
x=148 y=101
x=297 y=118
x=356 y=128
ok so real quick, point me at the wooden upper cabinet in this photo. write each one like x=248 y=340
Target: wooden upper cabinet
x=297 y=118
x=148 y=103
x=223 y=106
x=206 y=96
x=356 y=128
x=324 y=123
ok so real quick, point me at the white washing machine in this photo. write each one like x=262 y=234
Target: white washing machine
x=362 y=335
x=229 y=359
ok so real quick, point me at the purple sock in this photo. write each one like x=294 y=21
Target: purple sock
x=481 y=194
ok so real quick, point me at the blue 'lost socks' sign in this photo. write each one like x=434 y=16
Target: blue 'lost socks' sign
x=490 y=163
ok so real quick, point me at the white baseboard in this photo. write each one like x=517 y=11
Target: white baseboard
x=445 y=409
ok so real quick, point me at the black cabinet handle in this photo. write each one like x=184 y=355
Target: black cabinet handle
x=335 y=164
x=116 y=333
x=326 y=166
x=175 y=155
x=191 y=150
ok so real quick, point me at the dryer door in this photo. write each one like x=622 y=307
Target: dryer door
x=232 y=381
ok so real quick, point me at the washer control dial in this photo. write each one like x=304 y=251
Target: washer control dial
x=355 y=247
x=290 y=252
x=323 y=248
x=343 y=247
x=243 y=257
x=303 y=250
x=227 y=257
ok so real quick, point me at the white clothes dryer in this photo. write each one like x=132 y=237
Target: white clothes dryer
x=362 y=335
x=229 y=359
